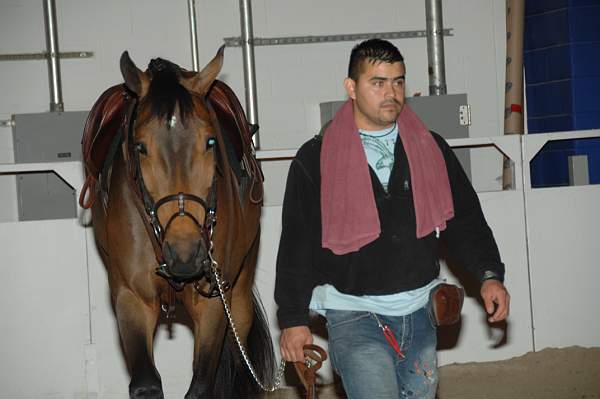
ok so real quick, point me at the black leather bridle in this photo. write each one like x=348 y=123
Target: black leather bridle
x=156 y=230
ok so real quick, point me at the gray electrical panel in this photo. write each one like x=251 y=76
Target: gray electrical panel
x=447 y=115
x=46 y=137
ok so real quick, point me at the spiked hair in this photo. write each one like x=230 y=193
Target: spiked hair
x=372 y=50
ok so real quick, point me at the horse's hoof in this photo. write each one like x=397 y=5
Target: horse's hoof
x=151 y=392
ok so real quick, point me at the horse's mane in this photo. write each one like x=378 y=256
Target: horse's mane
x=165 y=91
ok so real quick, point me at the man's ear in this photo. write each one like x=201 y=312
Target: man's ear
x=350 y=86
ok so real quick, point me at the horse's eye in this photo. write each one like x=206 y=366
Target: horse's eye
x=141 y=148
x=210 y=143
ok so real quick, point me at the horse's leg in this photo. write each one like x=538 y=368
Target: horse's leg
x=233 y=379
x=137 y=323
x=209 y=331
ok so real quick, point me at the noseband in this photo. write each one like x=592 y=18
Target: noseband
x=153 y=207
x=148 y=209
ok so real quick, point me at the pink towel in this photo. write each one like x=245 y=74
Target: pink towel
x=348 y=211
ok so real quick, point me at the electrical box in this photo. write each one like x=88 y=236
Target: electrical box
x=448 y=115
x=46 y=137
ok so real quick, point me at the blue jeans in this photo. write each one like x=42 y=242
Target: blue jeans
x=369 y=366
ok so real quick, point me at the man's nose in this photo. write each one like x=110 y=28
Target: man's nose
x=389 y=92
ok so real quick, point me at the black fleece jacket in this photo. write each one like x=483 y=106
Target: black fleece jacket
x=394 y=262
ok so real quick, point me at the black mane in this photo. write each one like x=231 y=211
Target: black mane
x=165 y=91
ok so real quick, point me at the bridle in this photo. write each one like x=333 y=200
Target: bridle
x=148 y=209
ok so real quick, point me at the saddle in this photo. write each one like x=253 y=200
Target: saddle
x=107 y=122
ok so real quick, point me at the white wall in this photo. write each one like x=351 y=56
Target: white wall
x=562 y=225
x=292 y=80
x=58 y=323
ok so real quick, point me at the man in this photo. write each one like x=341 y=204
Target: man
x=365 y=208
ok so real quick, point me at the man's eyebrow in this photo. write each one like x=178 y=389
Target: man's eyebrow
x=401 y=77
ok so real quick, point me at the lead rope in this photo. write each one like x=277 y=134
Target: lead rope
x=219 y=280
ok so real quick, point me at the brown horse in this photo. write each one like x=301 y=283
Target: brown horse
x=179 y=201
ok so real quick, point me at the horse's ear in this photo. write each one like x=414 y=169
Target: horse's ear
x=204 y=79
x=135 y=80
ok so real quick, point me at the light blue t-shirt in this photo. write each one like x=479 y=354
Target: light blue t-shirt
x=326 y=297
x=379 y=149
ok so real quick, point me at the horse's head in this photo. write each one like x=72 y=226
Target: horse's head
x=173 y=151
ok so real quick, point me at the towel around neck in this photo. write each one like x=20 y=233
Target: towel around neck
x=349 y=217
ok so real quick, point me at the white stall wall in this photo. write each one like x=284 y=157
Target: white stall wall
x=562 y=225
x=46 y=315
x=291 y=80
x=58 y=323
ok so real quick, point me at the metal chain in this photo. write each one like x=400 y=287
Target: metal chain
x=281 y=368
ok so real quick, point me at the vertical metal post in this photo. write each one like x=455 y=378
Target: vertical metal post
x=193 y=34
x=435 y=47
x=56 y=101
x=249 y=70
x=513 y=97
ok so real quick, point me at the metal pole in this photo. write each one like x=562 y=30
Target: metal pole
x=56 y=101
x=435 y=47
x=513 y=99
x=193 y=34
x=315 y=39
x=249 y=70
x=513 y=96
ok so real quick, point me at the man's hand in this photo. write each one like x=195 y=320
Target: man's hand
x=292 y=341
x=494 y=292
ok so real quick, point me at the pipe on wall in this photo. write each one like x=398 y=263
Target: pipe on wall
x=193 y=34
x=56 y=100
x=248 y=61
x=513 y=95
x=513 y=99
x=435 y=47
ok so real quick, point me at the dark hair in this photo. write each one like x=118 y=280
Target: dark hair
x=166 y=92
x=372 y=50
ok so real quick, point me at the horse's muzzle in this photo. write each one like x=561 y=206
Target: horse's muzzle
x=193 y=268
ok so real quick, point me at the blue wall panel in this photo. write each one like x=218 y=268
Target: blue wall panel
x=562 y=71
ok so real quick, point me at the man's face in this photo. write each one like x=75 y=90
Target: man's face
x=378 y=94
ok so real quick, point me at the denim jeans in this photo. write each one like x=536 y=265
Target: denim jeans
x=369 y=366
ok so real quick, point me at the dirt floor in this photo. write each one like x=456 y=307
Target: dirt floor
x=569 y=373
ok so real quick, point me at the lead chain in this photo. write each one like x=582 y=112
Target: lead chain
x=281 y=368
